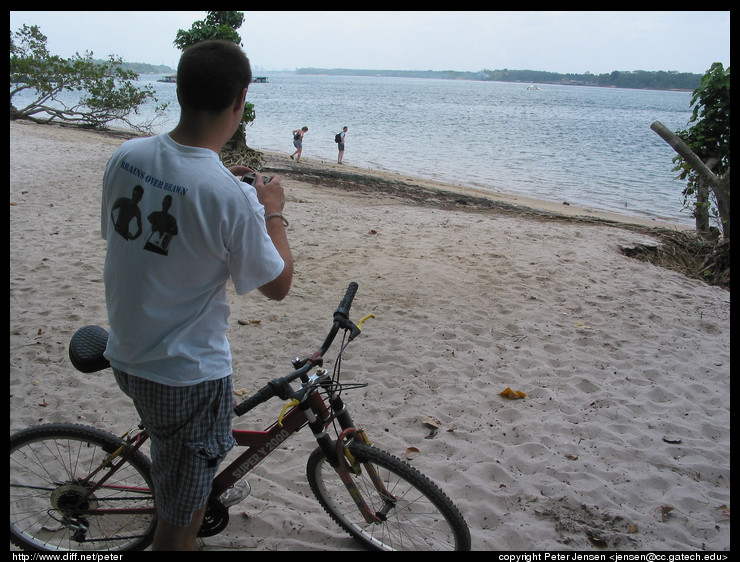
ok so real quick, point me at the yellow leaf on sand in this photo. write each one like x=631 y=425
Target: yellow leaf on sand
x=512 y=394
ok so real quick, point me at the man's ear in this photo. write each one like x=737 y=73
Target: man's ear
x=241 y=99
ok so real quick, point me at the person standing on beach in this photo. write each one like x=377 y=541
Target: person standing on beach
x=341 y=145
x=298 y=142
x=167 y=311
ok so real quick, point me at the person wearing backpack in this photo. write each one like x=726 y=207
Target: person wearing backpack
x=298 y=142
x=339 y=139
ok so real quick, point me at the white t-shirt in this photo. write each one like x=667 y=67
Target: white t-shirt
x=178 y=225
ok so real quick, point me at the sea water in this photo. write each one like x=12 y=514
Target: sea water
x=577 y=144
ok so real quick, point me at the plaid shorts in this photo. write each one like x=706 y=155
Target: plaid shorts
x=190 y=430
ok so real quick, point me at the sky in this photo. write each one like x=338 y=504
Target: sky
x=560 y=41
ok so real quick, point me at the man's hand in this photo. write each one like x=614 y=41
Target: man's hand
x=239 y=170
x=271 y=195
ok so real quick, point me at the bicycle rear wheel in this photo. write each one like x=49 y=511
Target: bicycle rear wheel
x=49 y=470
x=422 y=518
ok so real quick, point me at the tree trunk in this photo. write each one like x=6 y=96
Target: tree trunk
x=236 y=151
x=701 y=211
x=722 y=193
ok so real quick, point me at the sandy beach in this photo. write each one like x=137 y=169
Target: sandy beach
x=621 y=443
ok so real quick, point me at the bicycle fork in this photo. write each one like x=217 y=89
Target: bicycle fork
x=345 y=464
x=348 y=466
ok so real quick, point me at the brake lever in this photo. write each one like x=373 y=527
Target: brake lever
x=355 y=329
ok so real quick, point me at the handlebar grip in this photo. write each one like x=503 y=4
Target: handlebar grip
x=262 y=395
x=346 y=303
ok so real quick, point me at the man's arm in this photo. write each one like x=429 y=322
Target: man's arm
x=272 y=197
x=278 y=288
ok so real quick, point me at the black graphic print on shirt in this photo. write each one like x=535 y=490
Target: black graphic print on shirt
x=128 y=210
x=163 y=225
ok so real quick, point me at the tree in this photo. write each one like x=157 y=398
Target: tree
x=106 y=92
x=217 y=25
x=703 y=157
x=704 y=160
x=223 y=25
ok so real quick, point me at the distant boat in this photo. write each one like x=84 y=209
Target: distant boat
x=172 y=79
x=532 y=87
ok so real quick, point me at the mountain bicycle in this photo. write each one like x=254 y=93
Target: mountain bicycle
x=77 y=487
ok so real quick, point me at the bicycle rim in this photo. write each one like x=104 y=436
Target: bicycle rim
x=48 y=467
x=422 y=518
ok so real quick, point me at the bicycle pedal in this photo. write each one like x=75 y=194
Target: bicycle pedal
x=235 y=494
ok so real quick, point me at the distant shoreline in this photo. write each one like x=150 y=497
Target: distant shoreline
x=638 y=79
x=661 y=80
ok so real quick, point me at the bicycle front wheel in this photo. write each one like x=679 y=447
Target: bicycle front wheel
x=53 y=467
x=421 y=517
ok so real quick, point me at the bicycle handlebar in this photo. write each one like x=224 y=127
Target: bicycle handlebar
x=346 y=304
x=261 y=396
x=281 y=386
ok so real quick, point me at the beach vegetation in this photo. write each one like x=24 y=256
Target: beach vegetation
x=703 y=160
x=223 y=25
x=708 y=137
x=103 y=91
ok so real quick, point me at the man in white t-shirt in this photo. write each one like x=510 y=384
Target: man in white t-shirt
x=178 y=226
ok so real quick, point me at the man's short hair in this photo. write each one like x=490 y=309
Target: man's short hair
x=211 y=74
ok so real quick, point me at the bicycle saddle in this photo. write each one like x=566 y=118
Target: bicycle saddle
x=86 y=349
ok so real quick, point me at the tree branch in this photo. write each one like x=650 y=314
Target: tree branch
x=683 y=149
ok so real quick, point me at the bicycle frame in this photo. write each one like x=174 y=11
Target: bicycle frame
x=314 y=413
x=260 y=444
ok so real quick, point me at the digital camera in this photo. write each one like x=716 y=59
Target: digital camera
x=249 y=178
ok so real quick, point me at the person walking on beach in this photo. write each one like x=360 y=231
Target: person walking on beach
x=298 y=142
x=341 y=145
x=167 y=311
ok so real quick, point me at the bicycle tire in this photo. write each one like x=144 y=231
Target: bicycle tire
x=47 y=465
x=424 y=518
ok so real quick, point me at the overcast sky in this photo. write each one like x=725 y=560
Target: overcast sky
x=563 y=42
